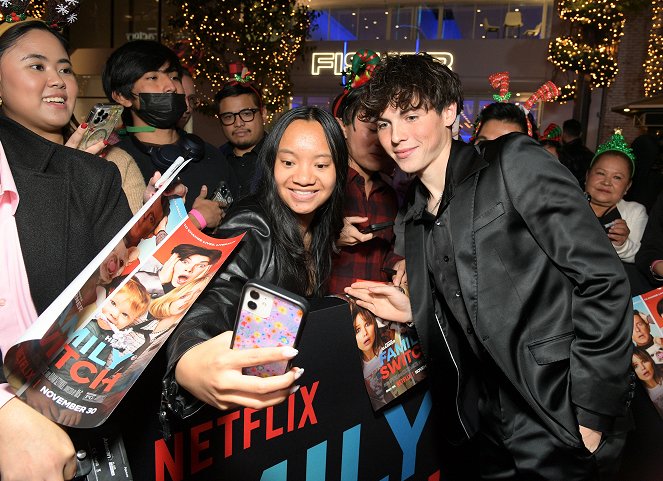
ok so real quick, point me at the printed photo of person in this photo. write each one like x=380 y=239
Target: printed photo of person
x=96 y=289
x=370 y=343
x=151 y=224
x=186 y=263
x=643 y=338
x=651 y=376
x=114 y=323
x=162 y=317
x=115 y=339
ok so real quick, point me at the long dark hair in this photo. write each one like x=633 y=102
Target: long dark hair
x=300 y=270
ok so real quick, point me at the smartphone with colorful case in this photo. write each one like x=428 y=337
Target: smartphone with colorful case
x=268 y=316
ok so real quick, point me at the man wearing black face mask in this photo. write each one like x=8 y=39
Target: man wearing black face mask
x=145 y=77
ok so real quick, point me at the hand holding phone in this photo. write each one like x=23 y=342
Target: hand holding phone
x=376 y=227
x=268 y=316
x=101 y=121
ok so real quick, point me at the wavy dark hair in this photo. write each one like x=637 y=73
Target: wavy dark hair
x=411 y=81
x=294 y=262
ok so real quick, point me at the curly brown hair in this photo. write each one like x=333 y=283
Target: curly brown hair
x=411 y=82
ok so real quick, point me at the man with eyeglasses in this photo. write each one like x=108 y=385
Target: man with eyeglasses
x=242 y=114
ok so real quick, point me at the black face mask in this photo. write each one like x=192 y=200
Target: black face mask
x=161 y=110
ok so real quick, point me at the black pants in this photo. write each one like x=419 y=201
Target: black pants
x=514 y=444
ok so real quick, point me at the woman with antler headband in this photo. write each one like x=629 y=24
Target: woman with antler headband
x=501 y=117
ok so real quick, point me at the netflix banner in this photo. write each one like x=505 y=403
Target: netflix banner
x=327 y=430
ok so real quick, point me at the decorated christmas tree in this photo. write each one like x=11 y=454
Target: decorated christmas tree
x=590 y=50
x=654 y=63
x=216 y=38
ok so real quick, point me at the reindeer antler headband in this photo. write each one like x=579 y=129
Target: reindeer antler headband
x=500 y=80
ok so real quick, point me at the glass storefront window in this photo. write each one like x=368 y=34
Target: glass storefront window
x=450 y=21
x=402 y=23
x=343 y=23
x=371 y=24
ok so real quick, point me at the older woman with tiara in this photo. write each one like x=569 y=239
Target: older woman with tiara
x=607 y=181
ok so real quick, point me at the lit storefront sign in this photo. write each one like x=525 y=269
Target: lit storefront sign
x=328 y=62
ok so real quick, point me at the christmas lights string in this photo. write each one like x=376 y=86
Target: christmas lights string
x=267 y=36
x=601 y=20
x=654 y=63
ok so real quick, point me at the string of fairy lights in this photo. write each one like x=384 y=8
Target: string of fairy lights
x=654 y=63
x=591 y=49
x=266 y=36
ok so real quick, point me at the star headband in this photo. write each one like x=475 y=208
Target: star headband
x=616 y=143
x=358 y=73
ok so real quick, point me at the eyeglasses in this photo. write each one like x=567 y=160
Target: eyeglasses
x=247 y=115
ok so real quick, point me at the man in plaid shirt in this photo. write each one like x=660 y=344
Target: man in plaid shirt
x=369 y=199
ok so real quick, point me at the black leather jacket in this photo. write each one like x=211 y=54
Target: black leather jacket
x=215 y=310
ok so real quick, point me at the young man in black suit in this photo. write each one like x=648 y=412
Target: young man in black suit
x=521 y=305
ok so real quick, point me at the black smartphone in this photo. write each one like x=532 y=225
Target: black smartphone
x=222 y=195
x=389 y=271
x=608 y=220
x=376 y=227
x=268 y=316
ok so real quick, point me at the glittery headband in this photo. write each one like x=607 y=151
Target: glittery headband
x=616 y=143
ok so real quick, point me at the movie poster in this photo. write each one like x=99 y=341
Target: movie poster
x=390 y=354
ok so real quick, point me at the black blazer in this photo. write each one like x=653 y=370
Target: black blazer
x=71 y=205
x=545 y=291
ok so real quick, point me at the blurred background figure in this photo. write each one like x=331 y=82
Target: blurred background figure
x=647 y=181
x=576 y=157
x=551 y=139
x=242 y=116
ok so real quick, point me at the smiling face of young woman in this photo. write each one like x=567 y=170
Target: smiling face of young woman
x=37 y=84
x=304 y=170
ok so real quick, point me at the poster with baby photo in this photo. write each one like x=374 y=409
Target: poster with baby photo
x=391 y=357
x=647 y=359
x=134 y=244
x=85 y=380
x=76 y=362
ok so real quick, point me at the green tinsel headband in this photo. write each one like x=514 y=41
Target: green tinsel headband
x=616 y=143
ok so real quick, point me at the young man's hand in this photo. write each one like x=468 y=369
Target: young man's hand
x=590 y=438
x=350 y=235
x=385 y=301
x=209 y=209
